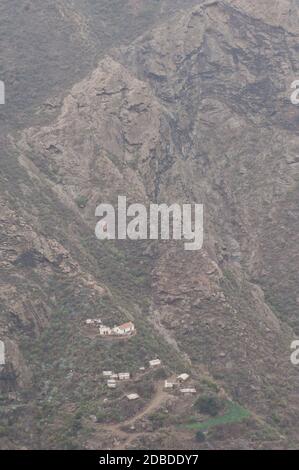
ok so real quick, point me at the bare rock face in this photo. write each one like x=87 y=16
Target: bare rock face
x=195 y=111
x=52 y=63
x=280 y=13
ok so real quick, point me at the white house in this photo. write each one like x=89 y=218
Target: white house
x=124 y=329
x=168 y=384
x=188 y=390
x=183 y=377
x=124 y=376
x=93 y=321
x=111 y=384
x=2 y=353
x=114 y=377
x=107 y=373
x=105 y=330
x=133 y=396
x=155 y=363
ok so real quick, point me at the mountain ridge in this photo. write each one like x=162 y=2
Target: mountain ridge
x=197 y=110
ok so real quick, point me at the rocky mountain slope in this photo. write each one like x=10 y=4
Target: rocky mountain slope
x=195 y=110
x=47 y=47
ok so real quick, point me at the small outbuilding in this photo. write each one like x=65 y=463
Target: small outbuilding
x=187 y=391
x=155 y=363
x=133 y=396
x=183 y=377
x=107 y=373
x=111 y=384
x=169 y=385
x=124 y=376
x=94 y=321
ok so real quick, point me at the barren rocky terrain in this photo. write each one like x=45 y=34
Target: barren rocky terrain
x=161 y=101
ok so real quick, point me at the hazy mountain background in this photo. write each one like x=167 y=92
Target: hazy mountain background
x=161 y=101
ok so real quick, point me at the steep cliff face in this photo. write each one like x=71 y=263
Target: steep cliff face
x=197 y=110
x=49 y=46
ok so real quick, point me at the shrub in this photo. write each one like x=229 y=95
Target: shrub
x=209 y=404
x=200 y=437
x=82 y=201
x=158 y=419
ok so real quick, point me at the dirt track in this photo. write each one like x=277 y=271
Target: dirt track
x=159 y=397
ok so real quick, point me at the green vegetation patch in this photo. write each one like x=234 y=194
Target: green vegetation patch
x=82 y=201
x=235 y=413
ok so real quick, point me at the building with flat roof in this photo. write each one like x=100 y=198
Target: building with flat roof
x=155 y=363
x=107 y=373
x=183 y=377
x=168 y=384
x=124 y=376
x=133 y=396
